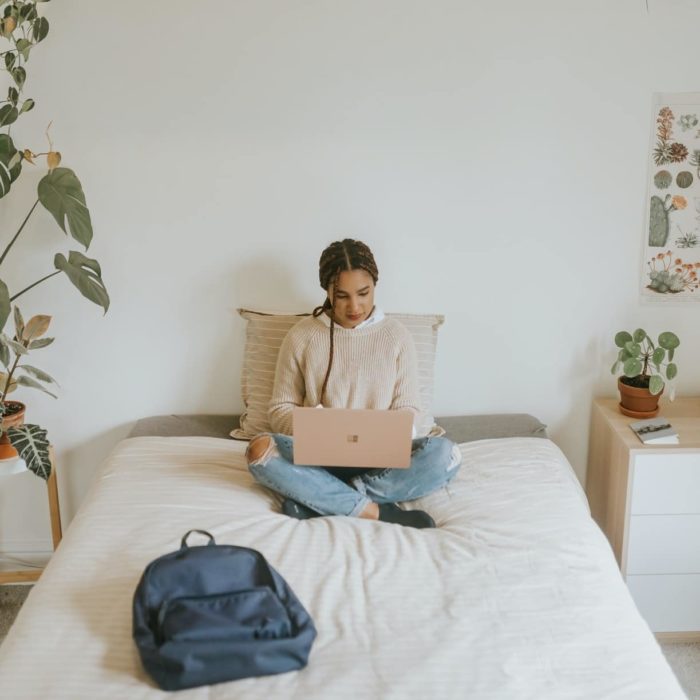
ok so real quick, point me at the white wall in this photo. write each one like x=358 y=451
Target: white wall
x=493 y=155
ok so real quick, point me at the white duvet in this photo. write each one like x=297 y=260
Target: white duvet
x=514 y=595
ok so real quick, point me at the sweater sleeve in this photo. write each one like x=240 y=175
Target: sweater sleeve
x=288 y=389
x=406 y=395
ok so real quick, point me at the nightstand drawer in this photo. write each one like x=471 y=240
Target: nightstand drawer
x=666 y=483
x=664 y=544
x=668 y=603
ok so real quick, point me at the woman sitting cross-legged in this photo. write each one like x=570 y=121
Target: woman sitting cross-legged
x=348 y=354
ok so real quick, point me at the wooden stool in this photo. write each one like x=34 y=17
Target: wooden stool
x=26 y=575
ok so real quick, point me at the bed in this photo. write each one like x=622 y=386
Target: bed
x=515 y=594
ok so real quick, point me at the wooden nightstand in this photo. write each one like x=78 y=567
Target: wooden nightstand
x=646 y=499
x=28 y=575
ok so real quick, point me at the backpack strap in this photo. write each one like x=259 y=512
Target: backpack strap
x=183 y=543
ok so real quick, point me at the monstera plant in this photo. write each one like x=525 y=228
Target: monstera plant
x=59 y=191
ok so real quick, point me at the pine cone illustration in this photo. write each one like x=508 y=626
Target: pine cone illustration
x=677 y=153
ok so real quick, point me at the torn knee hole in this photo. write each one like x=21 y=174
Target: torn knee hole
x=260 y=450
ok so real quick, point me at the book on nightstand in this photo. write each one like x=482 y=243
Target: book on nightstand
x=655 y=431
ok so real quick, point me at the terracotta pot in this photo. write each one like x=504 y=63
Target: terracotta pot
x=636 y=402
x=17 y=418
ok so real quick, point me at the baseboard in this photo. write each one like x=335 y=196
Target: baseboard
x=12 y=547
x=674 y=637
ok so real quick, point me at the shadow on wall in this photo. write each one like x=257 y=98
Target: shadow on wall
x=265 y=284
x=85 y=460
x=262 y=283
x=582 y=383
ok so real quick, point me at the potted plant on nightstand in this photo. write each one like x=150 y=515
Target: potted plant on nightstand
x=59 y=191
x=645 y=369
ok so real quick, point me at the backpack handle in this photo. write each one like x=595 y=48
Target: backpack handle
x=183 y=543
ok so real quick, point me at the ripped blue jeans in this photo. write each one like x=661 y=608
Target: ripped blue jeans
x=434 y=462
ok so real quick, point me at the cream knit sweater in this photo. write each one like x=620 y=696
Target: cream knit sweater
x=373 y=367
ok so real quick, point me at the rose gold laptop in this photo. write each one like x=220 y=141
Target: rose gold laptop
x=345 y=437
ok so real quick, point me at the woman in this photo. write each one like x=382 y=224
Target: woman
x=348 y=355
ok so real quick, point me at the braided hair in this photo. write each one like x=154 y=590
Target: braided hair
x=341 y=256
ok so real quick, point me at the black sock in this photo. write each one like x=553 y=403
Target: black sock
x=391 y=513
x=294 y=509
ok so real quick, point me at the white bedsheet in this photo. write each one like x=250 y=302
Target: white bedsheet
x=515 y=595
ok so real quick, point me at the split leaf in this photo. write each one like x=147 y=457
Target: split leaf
x=85 y=274
x=62 y=194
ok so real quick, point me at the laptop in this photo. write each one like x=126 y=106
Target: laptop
x=351 y=437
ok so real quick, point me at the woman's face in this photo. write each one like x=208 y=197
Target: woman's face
x=354 y=297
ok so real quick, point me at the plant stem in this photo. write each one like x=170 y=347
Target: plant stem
x=9 y=378
x=11 y=243
x=26 y=289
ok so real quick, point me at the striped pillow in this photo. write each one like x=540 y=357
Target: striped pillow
x=264 y=335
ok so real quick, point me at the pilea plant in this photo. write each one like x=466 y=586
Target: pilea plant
x=59 y=191
x=643 y=363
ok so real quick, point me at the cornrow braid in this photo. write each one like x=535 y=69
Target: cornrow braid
x=341 y=256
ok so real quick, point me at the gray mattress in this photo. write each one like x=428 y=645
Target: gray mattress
x=458 y=428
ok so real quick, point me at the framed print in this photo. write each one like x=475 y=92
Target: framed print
x=671 y=247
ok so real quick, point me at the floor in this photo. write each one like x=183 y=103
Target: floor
x=11 y=599
x=685 y=662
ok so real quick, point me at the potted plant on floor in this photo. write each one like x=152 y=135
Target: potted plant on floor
x=59 y=191
x=645 y=369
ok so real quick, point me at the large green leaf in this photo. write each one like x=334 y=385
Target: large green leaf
x=38 y=373
x=62 y=194
x=4 y=304
x=8 y=115
x=669 y=340
x=85 y=274
x=31 y=443
x=18 y=348
x=19 y=75
x=4 y=354
x=41 y=343
x=24 y=47
x=19 y=322
x=24 y=380
x=8 y=173
x=634 y=349
x=656 y=384
x=657 y=356
x=40 y=28
x=622 y=338
x=632 y=367
x=28 y=12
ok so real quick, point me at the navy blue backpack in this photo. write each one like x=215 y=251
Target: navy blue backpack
x=214 y=613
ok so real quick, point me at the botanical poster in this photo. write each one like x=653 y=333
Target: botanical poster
x=672 y=228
